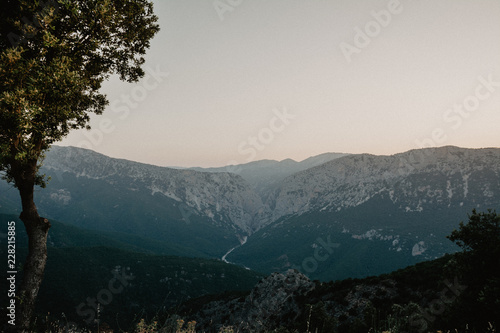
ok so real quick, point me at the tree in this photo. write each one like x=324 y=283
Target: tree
x=54 y=57
x=478 y=266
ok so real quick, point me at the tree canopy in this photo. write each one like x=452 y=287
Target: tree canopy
x=54 y=57
x=478 y=268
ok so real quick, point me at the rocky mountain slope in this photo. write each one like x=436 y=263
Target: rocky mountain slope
x=274 y=299
x=383 y=212
x=264 y=175
x=208 y=212
x=419 y=298
x=222 y=196
x=413 y=181
x=375 y=213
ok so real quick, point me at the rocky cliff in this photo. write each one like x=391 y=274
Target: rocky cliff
x=273 y=300
x=413 y=181
x=223 y=197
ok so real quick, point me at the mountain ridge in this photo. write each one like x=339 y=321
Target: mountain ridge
x=396 y=209
x=372 y=203
x=263 y=174
x=355 y=169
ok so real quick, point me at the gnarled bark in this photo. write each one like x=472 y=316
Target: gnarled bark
x=34 y=268
x=37 y=229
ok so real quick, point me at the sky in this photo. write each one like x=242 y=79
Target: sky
x=235 y=81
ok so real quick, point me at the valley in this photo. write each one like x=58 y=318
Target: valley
x=328 y=218
x=397 y=207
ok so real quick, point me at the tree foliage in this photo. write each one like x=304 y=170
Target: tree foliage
x=479 y=268
x=480 y=236
x=54 y=57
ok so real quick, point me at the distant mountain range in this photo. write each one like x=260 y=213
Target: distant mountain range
x=363 y=215
x=330 y=216
x=263 y=175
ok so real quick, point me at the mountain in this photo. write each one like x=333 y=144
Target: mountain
x=361 y=215
x=209 y=212
x=200 y=213
x=351 y=216
x=412 y=181
x=263 y=175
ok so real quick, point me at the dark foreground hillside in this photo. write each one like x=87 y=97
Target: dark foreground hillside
x=459 y=293
x=422 y=298
x=130 y=286
x=84 y=271
x=142 y=292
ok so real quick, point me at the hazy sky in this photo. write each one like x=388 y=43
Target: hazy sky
x=234 y=81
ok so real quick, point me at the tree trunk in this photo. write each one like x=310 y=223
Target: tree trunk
x=37 y=229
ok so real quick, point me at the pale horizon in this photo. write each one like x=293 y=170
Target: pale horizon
x=260 y=80
x=267 y=159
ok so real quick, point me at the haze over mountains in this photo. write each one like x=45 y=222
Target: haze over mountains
x=330 y=216
x=263 y=175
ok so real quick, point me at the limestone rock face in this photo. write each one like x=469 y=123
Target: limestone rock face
x=250 y=197
x=272 y=302
x=224 y=198
x=416 y=180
